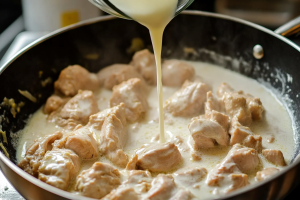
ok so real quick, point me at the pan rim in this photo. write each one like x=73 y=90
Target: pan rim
x=69 y=195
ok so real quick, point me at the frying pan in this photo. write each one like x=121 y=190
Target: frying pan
x=99 y=42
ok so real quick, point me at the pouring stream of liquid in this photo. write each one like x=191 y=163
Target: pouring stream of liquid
x=155 y=15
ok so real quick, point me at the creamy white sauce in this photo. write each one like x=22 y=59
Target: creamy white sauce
x=155 y=15
x=276 y=122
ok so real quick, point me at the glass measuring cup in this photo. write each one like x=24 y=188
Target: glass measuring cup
x=108 y=7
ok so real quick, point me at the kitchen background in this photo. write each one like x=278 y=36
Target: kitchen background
x=23 y=21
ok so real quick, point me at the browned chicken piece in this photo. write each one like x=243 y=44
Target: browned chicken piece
x=236 y=107
x=131 y=165
x=75 y=78
x=140 y=180
x=98 y=181
x=244 y=135
x=59 y=167
x=81 y=141
x=221 y=119
x=164 y=187
x=35 y=153
x=188 y=101
x=230 y=172
x=175 y=68
x=112 y=139
x=53 y=103
x=274 y=156
x=122 y=193
x=266 y=173
x=158 y=157
x=223 y=88
x=255 y=107
x=190 y=176
x=238 y=181
x=144 y=62
x=132 y=94
x=96 y=121
x=206 y=133
x=76 y=111
x=116 y=74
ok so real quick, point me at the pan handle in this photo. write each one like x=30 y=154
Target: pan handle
x=290 y=28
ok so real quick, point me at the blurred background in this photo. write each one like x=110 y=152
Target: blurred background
x=23 y=21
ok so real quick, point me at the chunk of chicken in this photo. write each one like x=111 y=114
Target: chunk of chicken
x=236 y=107
x=116 y=74
x=36 y=152
x=206 y=132
x=113 y=137
x=81 y=141
x=59 y=167
x=75 y=78
x=175 y=68
x=230 y=172
x=223 y=88
x=140 y=180
x=144 y=62
x=188 y=101
x=158 y=157
x=212 y=104
x=96 y=121
x=76 y=111
x=190 y=176
x=164 y=187
x=53 y=103
x=244 y=135
x=266 y=173
x=132 y=94
x=122 y=193
x=242 y=106
x=98 y=181
x=274 y=156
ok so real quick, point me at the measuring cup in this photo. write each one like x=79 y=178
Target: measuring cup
x=108 y=7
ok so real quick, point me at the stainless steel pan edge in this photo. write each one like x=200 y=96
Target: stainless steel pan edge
x=30 y=187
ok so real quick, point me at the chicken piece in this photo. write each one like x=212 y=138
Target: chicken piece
x=158 y=157
x=35 y=153
x=144 y=62
x=132 y=94
x=175 y=68
x=236 y=107
x=221 y=119
x=140 y=180
x=266 y=173
x=59 y=167
x=98 y=181
x=53 y=103
x=212 y=104
x=96 y=121
x=239 y=160
x=274 y=156
x=163 y=187
x=188 y=101
x=238 y=181
x=223 y=88
x=113 y=137
x=76 y=111
x=81 y=141
x=255 y=107
x=75 y=78
x=116 y=74
x=131 y=165
x=206 y=132
x=244 y=135
x=190 y=176
x=122 y=193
